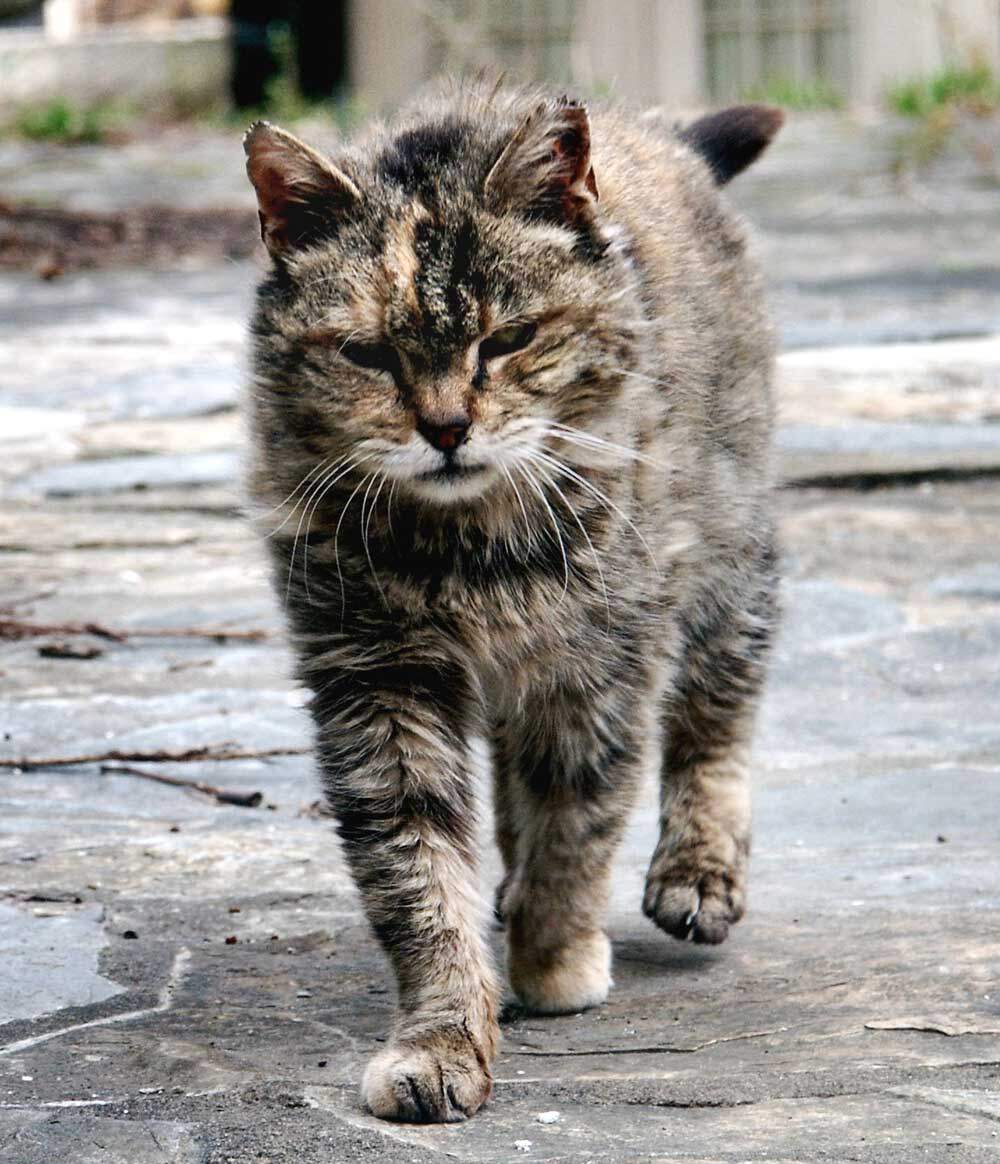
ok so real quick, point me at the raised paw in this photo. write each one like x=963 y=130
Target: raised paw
x=441 y=1079
x=694 y=903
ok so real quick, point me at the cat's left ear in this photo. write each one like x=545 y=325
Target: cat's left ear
x=545 y=167
x=299 y=192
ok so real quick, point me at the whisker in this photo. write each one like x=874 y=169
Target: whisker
x=593 y=550
x=388 y=507
x=314 y=490
x=555 y=525
x=520 y=501
x=320 y=466
x=350 y=336
x=313 y=501
x=336 y=545
x=602 y=497
x=366 y=526
x=312 y=505
x=581 y=436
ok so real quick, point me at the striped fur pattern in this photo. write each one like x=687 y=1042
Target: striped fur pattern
x=511 y=416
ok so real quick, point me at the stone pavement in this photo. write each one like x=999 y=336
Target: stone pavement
x=186 y=981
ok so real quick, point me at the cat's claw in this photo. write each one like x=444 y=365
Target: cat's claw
x=701 y=910
x=426 y=1083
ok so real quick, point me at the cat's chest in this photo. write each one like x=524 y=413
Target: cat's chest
x=498 y=621
x=506 y=619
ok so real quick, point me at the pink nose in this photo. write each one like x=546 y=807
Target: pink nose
x=446 y=437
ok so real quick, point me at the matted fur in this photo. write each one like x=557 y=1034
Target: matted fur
x=575 y=559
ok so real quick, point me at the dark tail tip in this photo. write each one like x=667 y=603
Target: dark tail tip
x=733 y=138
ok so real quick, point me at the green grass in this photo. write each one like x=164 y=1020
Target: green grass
x=67 y=123
x=974 y=88
x=938 y=105
x=802 y=96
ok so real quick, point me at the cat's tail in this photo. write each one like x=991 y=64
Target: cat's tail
x=729 y=140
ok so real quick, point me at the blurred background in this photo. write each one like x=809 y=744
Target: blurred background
x=915 y=80
x=187 y=56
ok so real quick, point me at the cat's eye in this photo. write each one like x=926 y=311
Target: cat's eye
x=378 y=357
x=506 y=340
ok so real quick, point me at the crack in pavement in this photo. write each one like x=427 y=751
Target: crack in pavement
x=658 y=1049
x=63 y=1103
x=951 y=1100
x=178 y=971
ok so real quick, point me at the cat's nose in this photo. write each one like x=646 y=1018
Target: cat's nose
x=447 y=436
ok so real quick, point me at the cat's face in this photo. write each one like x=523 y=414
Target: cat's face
x=441 y=337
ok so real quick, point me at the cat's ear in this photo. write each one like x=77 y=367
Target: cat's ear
x=545 y=167
x=299 y=192
x=733 y=138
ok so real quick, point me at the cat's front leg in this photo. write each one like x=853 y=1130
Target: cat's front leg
x=394 y=759
x=696 y=884
x=573 y=763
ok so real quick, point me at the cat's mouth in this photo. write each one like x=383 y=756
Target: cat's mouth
x=452 y=481
x=451 y=471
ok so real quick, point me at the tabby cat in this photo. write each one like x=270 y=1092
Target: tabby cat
x=511 y=425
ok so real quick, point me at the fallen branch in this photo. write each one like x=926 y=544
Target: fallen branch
x=16 y=628
x=187 y=756
x=69 y=651
x=52 y=240
x=219 y=795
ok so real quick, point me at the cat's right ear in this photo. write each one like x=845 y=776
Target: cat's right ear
x=299 y=192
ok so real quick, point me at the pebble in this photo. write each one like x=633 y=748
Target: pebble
x=547 y=1117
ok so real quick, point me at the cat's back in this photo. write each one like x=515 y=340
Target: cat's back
x=698 y=275
x=657 y=187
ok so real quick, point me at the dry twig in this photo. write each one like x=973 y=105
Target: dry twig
x=189 y=755
x=17 y=628
x=219 y=795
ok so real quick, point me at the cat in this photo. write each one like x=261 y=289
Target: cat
x=511 y=451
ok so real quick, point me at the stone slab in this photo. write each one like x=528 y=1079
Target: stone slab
x=871 y=448
x=65 y=1137
x=828 y=1020
x=119 y=474
x=947 y=381
x=49 y=953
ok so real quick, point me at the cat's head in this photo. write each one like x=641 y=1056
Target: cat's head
x=443 y=298
x=448 y=301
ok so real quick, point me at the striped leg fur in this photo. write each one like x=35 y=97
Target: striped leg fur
x=397 y=776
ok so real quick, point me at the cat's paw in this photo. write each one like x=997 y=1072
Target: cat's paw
x=694 y=895
x=441 y=1079
x=563 y=981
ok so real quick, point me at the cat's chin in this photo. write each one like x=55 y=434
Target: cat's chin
x=449 y=487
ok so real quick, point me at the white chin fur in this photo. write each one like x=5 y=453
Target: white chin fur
x=449 y=490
